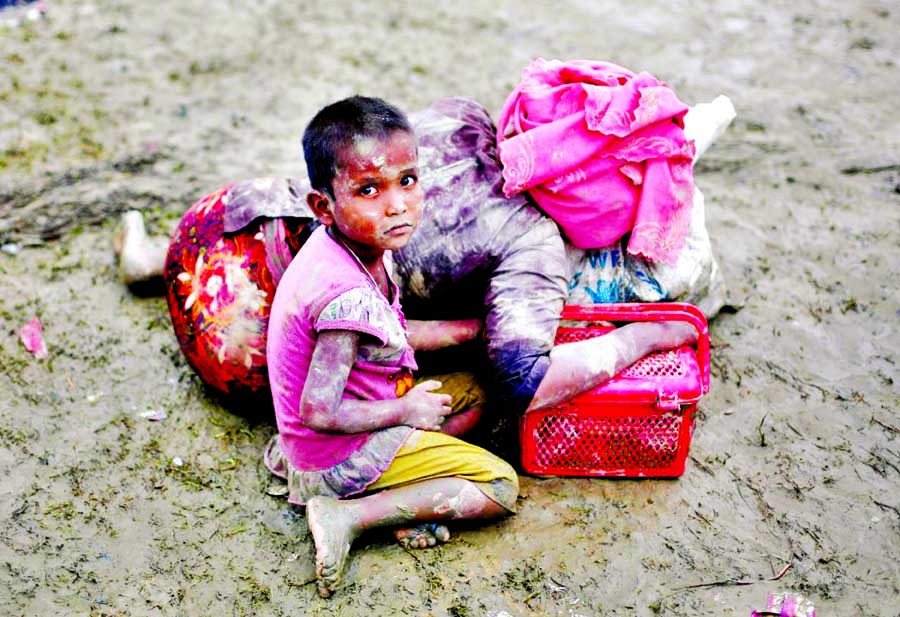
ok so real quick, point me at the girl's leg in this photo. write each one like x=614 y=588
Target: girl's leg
x=427 y=535
x=579 y=367
x=468 y=396
x=335 y=524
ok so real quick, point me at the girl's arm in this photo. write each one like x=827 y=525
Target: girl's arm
x=323 y=408
x=430 y=335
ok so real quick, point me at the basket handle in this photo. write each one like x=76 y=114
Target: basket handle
x=650 y=311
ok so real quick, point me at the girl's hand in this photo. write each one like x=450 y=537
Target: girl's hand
x=425 y=409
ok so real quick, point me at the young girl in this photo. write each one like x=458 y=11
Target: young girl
x=359 y=442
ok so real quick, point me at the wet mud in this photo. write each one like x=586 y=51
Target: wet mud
x=128 y=489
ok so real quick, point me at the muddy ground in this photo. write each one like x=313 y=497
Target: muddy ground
x=795 y=462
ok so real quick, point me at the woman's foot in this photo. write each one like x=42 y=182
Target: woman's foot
x=141 y=257
x=333 y=530
x=422 y=536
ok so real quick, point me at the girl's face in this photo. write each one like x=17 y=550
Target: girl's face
x=377 y=197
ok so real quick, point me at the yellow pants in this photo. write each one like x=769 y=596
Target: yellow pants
x=428 y=455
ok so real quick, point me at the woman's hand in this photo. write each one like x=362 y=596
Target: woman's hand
x=673 y=334
x=430 y=335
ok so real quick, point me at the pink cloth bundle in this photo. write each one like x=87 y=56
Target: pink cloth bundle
x=602 y=151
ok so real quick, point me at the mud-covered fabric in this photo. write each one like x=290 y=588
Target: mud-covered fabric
x=344 y=479
x=429 y=455
x=611 y=274
x=269 y=197
x=220 y=287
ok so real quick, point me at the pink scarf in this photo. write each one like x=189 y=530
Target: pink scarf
x=601 y=150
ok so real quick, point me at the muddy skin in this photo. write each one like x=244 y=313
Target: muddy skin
x=323 y=409
x=431 y=335
x=333 y=530
x=141 y=258
x=581 y=366
x=335 y=524
x=377 y=199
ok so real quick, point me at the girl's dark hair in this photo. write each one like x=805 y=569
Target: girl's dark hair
x=335 y=127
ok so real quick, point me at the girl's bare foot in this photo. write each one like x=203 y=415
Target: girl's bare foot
x=422 y=536
x=333 y=529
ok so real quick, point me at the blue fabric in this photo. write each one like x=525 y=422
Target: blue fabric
x=8 y=3
x=518 y=373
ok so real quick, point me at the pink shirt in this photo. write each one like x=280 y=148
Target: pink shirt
x=326 y=288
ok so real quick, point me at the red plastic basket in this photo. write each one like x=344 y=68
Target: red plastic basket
x=637 y=424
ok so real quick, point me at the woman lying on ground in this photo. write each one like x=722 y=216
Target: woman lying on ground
x=478 y=254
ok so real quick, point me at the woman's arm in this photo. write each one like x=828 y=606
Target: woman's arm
x=576 y=368
x=323 y=408
x=431 y=335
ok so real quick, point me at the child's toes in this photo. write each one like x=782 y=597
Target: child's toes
x=408 y=537
x=328 y=583
x=440 y=533
x=324 y=591
x=425 y=535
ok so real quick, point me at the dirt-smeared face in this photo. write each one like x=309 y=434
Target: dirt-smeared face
x=377 y=197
